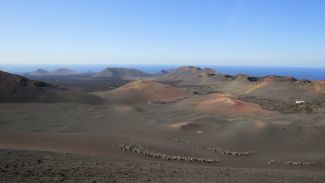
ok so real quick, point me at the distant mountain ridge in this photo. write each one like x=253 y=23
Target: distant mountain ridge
x=57 y=72
x=63 y=71
x=190 y=75
x=190 y=72
x=271 y=86
x=125 y=73
x=39 y=72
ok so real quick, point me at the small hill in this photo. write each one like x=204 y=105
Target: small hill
x=57 y=72
x=143 y=91
x=190 y=75
x=39 y=72
x=284 y=88
x=271 y=78
x=251 y=84
x=63 y=72
x=14 y=88
x=186 y=72
x=269 y=81
x=221 y=104
x=124 y=73
x=252 y=88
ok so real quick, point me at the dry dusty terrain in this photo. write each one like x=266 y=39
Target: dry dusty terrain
x=146 y=131
x=37 y=166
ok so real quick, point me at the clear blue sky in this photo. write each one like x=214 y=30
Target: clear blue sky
x=221 y=32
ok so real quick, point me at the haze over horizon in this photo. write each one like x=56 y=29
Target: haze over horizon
x=194 y=32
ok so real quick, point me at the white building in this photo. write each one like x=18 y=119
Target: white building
x=300 y=102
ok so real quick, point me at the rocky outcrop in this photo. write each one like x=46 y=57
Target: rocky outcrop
x=146 y=152
x=213 y=149
x=227 y=152
x=300 y=163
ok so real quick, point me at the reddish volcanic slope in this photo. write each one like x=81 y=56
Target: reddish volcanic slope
x=144 y=91
x=223 y=104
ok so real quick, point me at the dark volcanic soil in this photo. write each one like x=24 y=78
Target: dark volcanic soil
x=37 y=166
x=209 y=128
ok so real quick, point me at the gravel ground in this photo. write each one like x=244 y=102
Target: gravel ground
x=38 y=166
